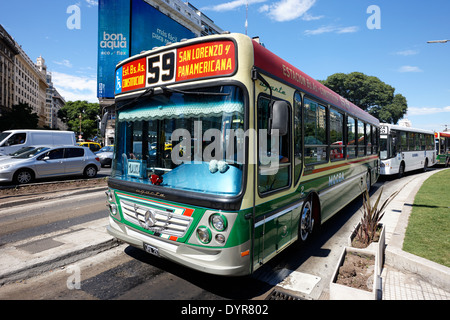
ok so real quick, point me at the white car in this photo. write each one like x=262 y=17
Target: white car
x=44 y=162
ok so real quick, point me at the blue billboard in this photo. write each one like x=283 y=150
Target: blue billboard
x=151 y=28
x=126 y=28
x=113 y=42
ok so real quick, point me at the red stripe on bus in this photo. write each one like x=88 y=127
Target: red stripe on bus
x=339 y=165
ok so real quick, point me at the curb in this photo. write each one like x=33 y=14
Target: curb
x=436 y=274
x=49 y=196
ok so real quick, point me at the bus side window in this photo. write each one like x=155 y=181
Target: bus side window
x=351 y=138
x=316 y=144
x=361 y=139
x=272 y=176
x=336 y=135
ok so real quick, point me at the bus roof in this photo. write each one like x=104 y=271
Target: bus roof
x=402 y=128
x=288 y=73
x=277 y=68
x=444 y=134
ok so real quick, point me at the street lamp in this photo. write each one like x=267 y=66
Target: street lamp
x=80 y=126
x=438 y=41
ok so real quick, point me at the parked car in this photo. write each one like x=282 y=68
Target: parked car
x=44 y=162
x=93 y=146
x=13 y=140
x=106 y=155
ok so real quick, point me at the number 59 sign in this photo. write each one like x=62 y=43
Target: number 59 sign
x=198 y=61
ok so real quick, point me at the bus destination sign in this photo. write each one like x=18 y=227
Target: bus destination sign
x=198 y=61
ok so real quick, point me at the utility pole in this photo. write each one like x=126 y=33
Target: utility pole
x=246 y=18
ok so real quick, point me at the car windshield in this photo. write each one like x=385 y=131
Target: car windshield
x=106 y=149
x=183 y=140
x=30 y=153
x=21 y=150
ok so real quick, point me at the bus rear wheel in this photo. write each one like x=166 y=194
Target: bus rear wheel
x=306 y=220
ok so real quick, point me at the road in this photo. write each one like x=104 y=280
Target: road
x=125 y=272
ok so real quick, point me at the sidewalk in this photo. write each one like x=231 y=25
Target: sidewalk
x=404 y=276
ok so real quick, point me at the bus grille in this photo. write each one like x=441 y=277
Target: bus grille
x=158 y=221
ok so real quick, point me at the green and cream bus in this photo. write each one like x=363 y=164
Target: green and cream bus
x=442 y=140
x=226 y=154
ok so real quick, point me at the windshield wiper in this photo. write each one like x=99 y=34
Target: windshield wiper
x=197 y=93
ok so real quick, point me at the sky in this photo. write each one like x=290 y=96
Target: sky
x=382 y=38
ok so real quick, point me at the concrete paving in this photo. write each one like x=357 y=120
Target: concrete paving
x=404 y=276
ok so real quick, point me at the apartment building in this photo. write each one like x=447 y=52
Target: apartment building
x=8 y=51
x=30 y=85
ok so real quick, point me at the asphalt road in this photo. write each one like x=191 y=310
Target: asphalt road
x=129 y=273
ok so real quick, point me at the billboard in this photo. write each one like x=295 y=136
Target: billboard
x=113 y=42
x=126 y=28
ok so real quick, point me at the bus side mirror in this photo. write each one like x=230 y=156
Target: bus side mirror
x=280 y=117
x=103 y=124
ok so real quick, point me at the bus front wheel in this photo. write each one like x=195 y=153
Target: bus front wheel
x=401 y=170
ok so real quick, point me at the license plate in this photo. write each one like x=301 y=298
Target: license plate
x=150 y=249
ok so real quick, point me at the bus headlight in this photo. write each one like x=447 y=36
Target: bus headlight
x=218 y=222
x=113 y=208
x=204 y=234
x=220 y=238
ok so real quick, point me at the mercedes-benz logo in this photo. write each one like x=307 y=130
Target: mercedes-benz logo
x=150 y=219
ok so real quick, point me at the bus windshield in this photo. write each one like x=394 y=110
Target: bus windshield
x=182 y=140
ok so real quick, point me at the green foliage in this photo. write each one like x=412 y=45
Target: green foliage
x=21 y=116
x=370 y=94
x=71 y=112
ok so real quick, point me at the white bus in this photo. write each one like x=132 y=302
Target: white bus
x=404 y=149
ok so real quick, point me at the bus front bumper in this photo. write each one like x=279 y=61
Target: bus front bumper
x=218 y=261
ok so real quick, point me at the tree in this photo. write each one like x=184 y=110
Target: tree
x=70 y=114
x=370 y=94
x=20 y=116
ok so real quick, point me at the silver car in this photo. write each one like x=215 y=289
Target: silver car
x=106 y=155
x=44 y=162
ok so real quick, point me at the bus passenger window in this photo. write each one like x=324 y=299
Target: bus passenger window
x=275 y=174
x=351 y=138
x=361 y=139
x=316 y=144
x=369 y=139
x=336 y=135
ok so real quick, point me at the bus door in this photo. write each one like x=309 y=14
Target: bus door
x=273 y=215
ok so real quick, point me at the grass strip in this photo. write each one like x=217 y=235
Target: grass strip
x=428 y=231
